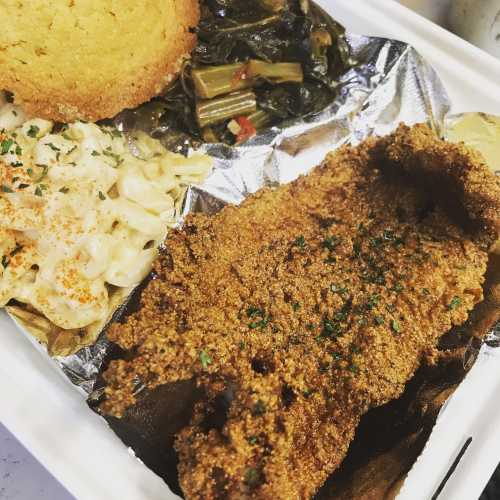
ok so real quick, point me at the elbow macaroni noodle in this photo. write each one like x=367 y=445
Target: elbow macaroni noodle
x=80 y=215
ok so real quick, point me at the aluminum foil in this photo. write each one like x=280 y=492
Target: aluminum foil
x=390 y=84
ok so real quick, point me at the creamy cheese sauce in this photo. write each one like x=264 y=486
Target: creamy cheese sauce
x=80 y=214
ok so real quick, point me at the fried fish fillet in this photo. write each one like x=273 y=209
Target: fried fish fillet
x=306 y=306
x=90 y=59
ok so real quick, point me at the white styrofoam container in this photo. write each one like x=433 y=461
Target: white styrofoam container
x=471 y=76
x=435 y=10
x=51 y=418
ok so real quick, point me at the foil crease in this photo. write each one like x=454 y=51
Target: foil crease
x=390 y=84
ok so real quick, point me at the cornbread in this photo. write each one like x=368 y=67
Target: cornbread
x=309 y=304
x=89 y=59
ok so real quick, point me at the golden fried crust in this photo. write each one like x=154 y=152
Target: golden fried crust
x=90 y=59
x=449 y=171
x=297 y=311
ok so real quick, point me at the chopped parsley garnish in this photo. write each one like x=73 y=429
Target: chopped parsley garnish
x=102 y=196
x=54 y=148
x=336 y=356
x=255 y=312
x=379 y=320
x=331 y=328
x=205 y=359
x=455 y=302
x=19 y=151
x=71 y=150
x=259 y=408
x=395 y=326
x=353 y=368
x=5 y=262
x=23 y=186
x=252 y=440
x=340 y=316
x=38 y=191
x=331 y=242
x=118 y=160
x=300 y=242
x=324 y=367
x=95 y=153
x=310 y=326
x=252 y=477
x=16 y=164
x=45 y=170
x=260 y=324
x=398 y=287
x=112 y=132
x=33 y=131
x=64 y=190
x=30 y=171
x=6 y=189
x=295 y=306
x=389 y=235
x=362 y=321
x=242 y=346
x=362 y=229
x=357 y=248
x=426 y=291
x=341 y=290
x=5 y=146
x=373 y=301
x=376 y=277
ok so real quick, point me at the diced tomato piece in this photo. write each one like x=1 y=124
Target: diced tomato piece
x=247 y=130
x=241 y=74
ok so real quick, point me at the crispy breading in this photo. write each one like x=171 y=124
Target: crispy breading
x=302 y=309
x=69 y=60
x=456 y=175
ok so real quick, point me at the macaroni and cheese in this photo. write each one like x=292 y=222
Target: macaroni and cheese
x=80 y=215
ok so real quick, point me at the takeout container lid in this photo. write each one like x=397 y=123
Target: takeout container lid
x=44 y=411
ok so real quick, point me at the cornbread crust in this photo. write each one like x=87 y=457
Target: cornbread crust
x=90 y=59
x=303 y=308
